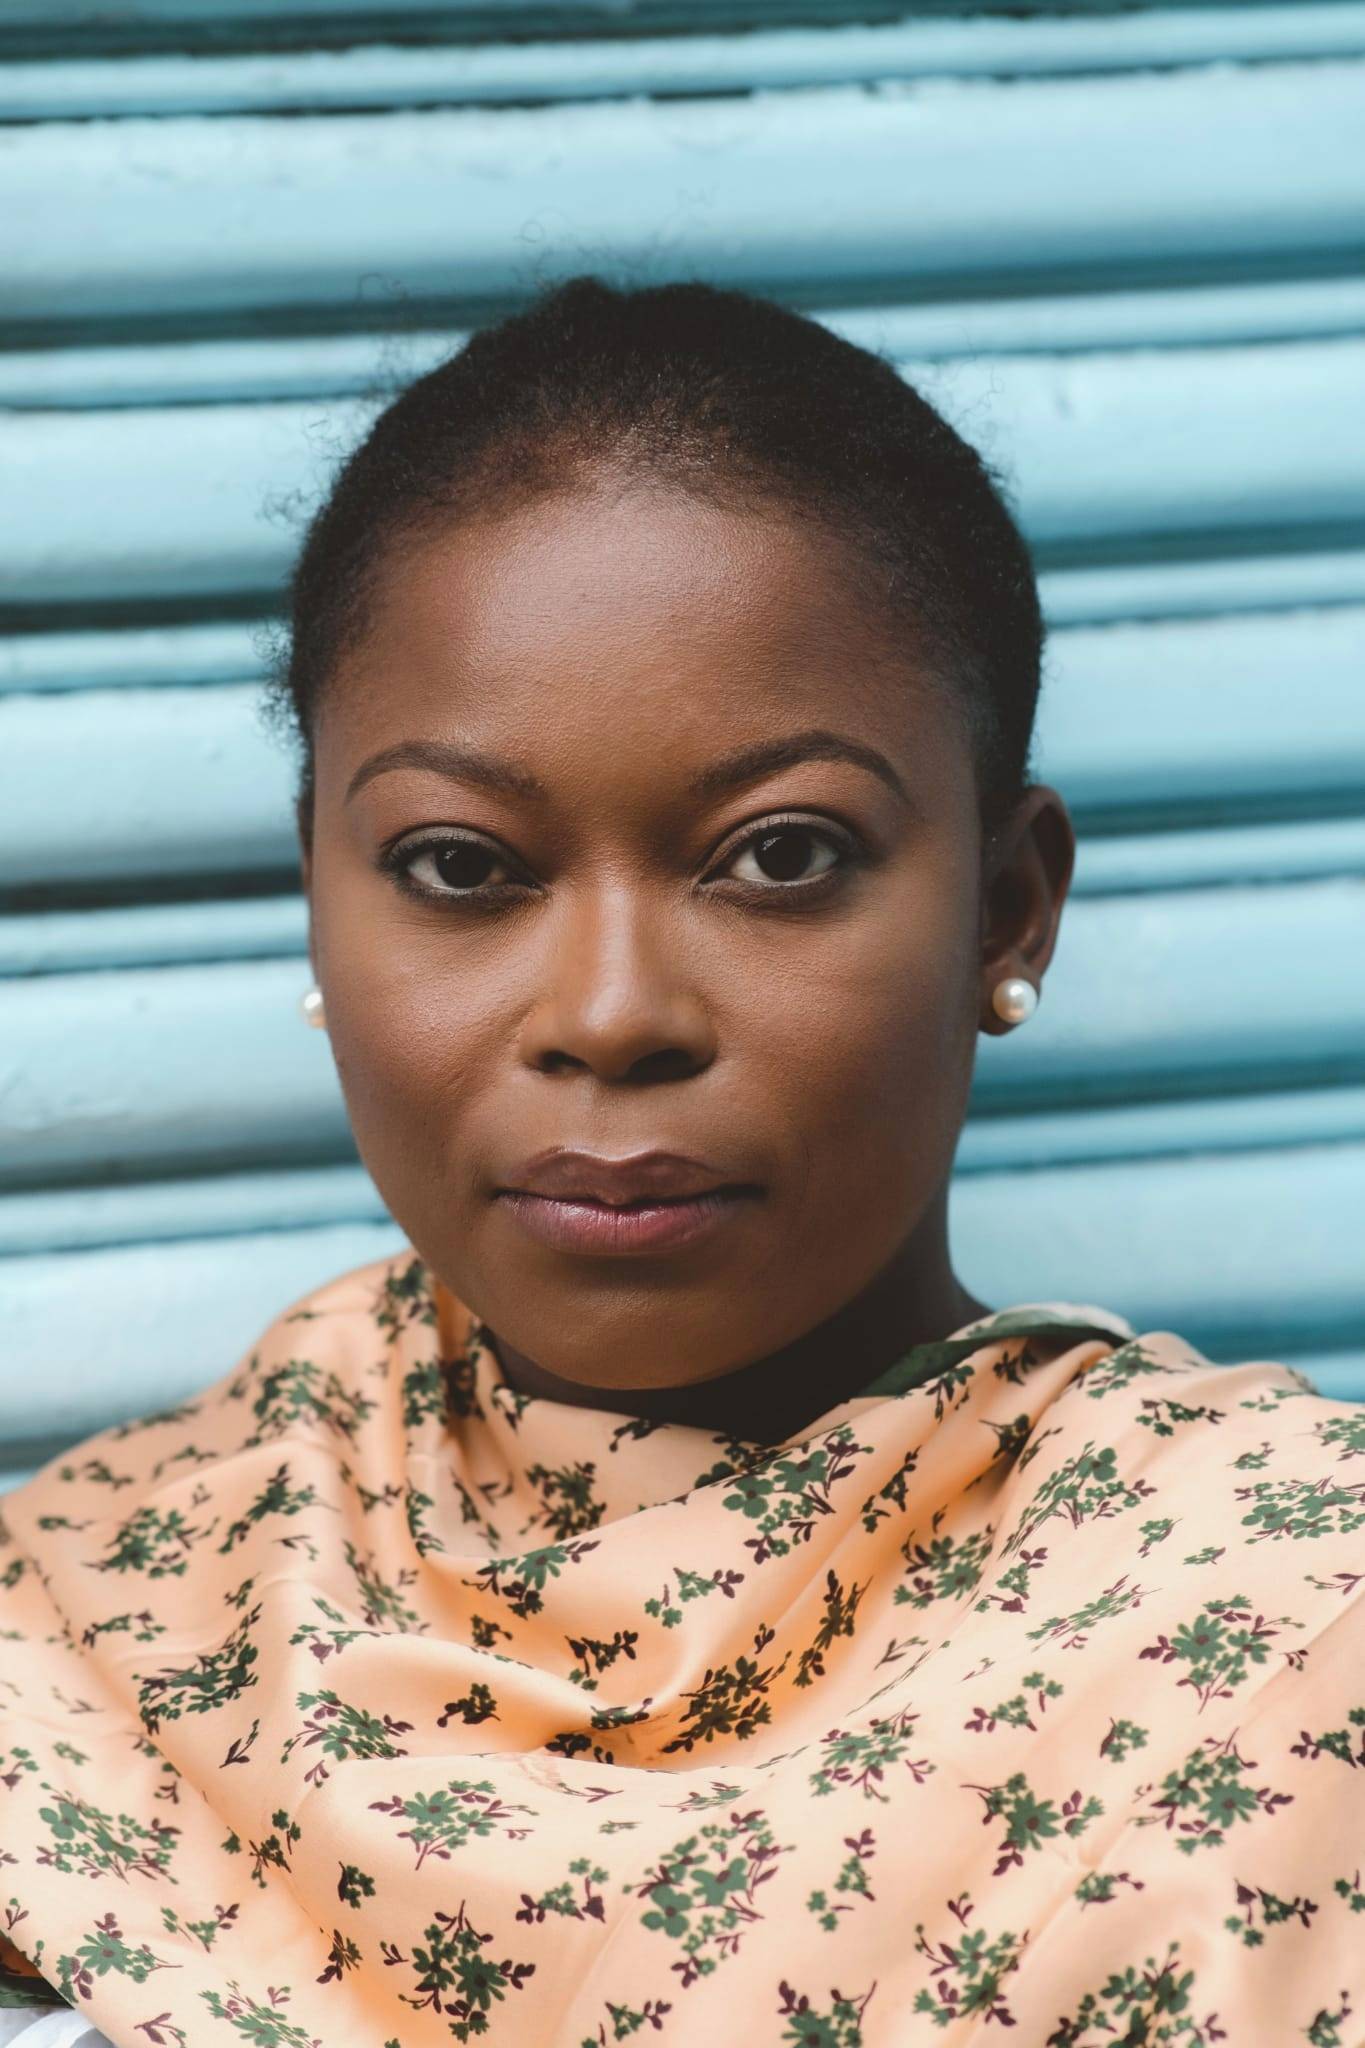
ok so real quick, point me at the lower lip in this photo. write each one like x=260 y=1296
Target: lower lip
x=569 y=1226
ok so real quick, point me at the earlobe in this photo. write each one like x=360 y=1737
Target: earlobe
x=1024 y=889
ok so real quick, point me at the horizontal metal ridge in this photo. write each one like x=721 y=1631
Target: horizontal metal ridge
x=464 y=74
x=1202 y=167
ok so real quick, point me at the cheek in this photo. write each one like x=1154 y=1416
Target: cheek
x=874 y=1057
x=411 y=1041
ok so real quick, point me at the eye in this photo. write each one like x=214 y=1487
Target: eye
x=791 y=851
x=787 y=856
x=451 y=866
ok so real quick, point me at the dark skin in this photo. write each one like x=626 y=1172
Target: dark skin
x=610 y=967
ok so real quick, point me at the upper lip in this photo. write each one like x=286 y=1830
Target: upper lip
x=560 y=1172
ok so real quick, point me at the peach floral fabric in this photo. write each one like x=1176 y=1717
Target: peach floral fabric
x=363 y=1702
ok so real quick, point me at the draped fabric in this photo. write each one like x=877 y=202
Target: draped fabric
x=364 y=1701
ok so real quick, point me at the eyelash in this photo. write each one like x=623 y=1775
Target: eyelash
x=398 y=862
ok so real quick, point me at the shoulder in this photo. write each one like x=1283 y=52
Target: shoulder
x=1212 y=1469
x=1161 y=1384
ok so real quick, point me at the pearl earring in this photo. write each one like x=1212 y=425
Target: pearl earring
x=1014 y=999
x=311 y=1005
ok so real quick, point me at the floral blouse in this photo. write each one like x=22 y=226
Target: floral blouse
x=364 y=1702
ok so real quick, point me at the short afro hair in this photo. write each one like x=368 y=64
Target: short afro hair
x=728 y=395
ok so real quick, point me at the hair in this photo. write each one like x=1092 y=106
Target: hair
x=723 y=394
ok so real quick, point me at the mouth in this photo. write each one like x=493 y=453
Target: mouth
x=644 y=1223
x=580 y=1195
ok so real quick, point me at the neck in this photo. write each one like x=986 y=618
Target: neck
x=915 y=1299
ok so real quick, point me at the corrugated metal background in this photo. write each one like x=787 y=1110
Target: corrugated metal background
x=1122 y=249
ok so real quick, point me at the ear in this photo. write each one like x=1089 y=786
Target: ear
x=1028 y=867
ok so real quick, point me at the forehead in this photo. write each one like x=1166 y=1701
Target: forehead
x=629 y=605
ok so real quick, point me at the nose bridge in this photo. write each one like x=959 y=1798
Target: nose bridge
x=617 y=985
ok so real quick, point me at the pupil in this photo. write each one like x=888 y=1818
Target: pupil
x=463 y=865
x=783 y=855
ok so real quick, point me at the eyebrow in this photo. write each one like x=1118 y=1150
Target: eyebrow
x=731 y=771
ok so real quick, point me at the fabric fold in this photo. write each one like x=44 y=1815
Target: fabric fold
x=364 y=1701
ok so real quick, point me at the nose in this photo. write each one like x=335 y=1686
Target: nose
x=616 y=999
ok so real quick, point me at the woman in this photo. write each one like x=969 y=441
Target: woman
x=664 y=1600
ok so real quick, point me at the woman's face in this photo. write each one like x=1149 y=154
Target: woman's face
x=633 y=833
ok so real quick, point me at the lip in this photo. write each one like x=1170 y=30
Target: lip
x=597 y=1227
x=591 y=1176
x=614 y=1207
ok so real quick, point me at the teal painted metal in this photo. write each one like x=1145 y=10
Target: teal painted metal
x=519 y=73
x=1201 y=586
x=115 y=21
x=1138 y=289
x=937 y=180
x=145 y=657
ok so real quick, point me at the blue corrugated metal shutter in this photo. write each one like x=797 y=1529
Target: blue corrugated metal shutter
x=1120 y=248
